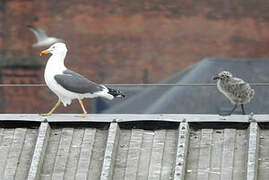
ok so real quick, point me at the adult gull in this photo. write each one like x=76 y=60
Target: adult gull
x=42 y=38
x=69 y=85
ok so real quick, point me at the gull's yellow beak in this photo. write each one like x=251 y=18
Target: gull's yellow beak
x=44 y=52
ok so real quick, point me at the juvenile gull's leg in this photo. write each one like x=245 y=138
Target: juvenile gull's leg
x=243 y=109
x=52 y=110
x=235 y=106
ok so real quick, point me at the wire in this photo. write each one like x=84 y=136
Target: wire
x=133 y=85
x=23 y=85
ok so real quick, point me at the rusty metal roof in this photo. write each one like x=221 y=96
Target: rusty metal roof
x=130 y=146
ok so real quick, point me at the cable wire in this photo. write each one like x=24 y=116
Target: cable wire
x=134 y=85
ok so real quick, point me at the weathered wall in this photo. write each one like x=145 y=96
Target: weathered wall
x=114 y=41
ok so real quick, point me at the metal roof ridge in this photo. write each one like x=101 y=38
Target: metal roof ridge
x=135 y=117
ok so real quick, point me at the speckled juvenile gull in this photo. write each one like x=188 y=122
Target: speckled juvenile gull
x=69 y=85
x=235 y=89
x=42 y=38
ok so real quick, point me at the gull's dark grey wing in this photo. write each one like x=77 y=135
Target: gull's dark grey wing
x=75 y=82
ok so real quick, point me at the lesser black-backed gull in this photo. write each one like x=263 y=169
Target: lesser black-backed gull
x=69 y=85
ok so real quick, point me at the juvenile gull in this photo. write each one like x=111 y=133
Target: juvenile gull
x=235 y=89
x=42 y=38
x=69 y=85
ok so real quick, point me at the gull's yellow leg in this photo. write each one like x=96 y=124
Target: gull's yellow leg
x=83 y=108
x=53 y=109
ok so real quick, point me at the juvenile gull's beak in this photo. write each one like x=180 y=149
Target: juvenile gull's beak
x=216 y=78
x=44 y=52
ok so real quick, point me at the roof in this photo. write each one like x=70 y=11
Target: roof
x=131 y=146
x=200 y=99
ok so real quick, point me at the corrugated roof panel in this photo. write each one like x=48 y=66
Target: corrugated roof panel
x=185 y=147
x=263 y=167
x=74 y=153
x=16 y=150
x=217 y=154
x=145 y=154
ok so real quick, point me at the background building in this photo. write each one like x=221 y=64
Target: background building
x=193 y=99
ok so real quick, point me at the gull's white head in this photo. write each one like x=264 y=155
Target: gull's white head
x=57 y=48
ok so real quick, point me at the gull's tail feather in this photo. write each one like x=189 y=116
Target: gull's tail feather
x=115 y=92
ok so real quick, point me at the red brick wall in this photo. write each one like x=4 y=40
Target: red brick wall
x=115 y=41
x=20 y=99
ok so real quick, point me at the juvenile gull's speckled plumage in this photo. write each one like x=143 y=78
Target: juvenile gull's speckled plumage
x=235 y=89
x=69 y=85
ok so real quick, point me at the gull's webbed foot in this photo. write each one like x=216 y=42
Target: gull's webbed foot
x=81 y=115
x=45 y=114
